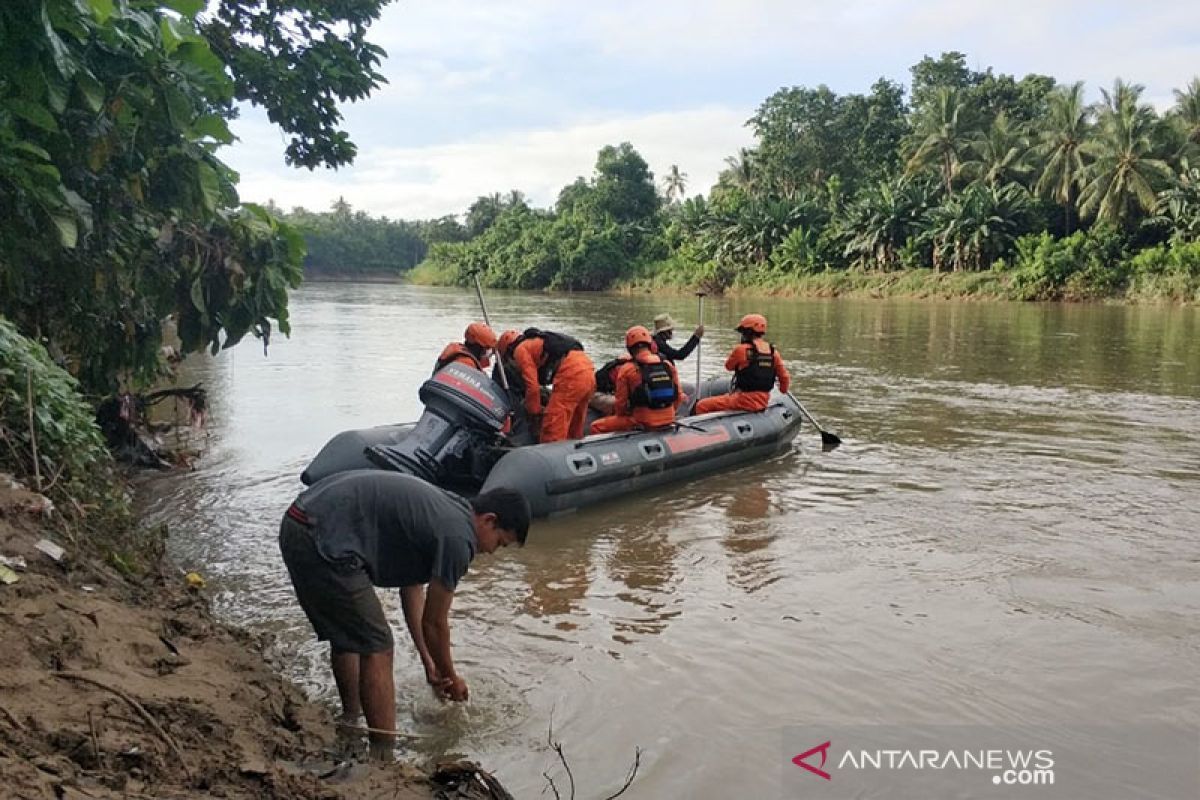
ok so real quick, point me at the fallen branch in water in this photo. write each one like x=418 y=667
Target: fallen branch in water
x=557 y=747
x=136 y=706
x=637 y=762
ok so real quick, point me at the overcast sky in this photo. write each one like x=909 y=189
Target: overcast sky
x=492 y=95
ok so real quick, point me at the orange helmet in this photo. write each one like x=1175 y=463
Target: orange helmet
x=636 y=335
x=505 y=342
x=755 y=323
x=481 y=335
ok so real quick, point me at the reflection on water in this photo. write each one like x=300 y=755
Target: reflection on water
x=1006 y=535
x=751 y=563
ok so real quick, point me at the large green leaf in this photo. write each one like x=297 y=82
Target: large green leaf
x=214 y=126
x=65 y=226
x=188 y=8
x=101 y=9
x=209 y=183
x=90 y=90
x=64 y=62
x=34 y=113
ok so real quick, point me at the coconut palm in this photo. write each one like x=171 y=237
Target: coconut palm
x=742 y=171
x=1187 y=110
x=1060 y=151
x=675 y=183
x=998 y=157
x=1122 y=180
x=942 y=138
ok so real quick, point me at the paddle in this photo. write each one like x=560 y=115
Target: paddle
x=699 y=342
x=488 y=322
x=828 y=440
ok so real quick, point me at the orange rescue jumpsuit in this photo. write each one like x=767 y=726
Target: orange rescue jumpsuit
x=574 y=381
x=457 y=352
x=745 y=401
x=625 y=416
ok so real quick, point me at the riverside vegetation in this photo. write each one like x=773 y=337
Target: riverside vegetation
x=967 y=183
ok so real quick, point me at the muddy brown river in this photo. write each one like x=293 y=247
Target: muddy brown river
x=1008 y=535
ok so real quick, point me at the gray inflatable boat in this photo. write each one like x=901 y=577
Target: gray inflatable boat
x=457 y=444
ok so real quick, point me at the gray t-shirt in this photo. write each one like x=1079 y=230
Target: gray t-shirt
x=403 y=530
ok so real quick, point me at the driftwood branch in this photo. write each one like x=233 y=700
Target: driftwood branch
x=637 y=762
x=557 y=747
x=136 y=706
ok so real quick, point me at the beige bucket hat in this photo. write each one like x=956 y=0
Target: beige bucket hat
x=663 y=322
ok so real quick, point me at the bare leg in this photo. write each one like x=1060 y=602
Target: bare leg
x=378 y=692
x=345 y=675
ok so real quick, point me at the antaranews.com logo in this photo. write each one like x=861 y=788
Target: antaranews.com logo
x=930 y=762
x=1007 y=767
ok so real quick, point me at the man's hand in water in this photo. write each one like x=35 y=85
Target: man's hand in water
x=454 y=688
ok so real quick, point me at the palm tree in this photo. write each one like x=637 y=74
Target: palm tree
x=1187 y=110
x=1122 y=180
x=882 y=219
x=942 y=138
x=675 y=183
x=973 y=228
x=742 y=172
x=1061 y=150
x=999 y=154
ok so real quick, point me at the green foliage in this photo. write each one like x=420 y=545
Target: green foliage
x=603 y=229
x=1126 y=173
x=980 y=169
x=807 y=135
x=342 y=241
x=1167 y=271
x=298 y=60
x=72 y=462
x=1082 y=265
x=118 y=213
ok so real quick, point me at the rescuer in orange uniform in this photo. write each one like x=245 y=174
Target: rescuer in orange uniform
x=478 y=341
x=647 y=388
x=547 y=358
x=756 y=365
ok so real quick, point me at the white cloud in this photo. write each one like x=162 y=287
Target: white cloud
x=422 y=182
x=488 y=97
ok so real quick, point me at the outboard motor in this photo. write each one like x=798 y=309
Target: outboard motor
x=464 y=411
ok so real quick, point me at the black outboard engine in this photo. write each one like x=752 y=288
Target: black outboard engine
x=464 y=412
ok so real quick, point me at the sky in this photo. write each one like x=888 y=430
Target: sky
x=487 y=96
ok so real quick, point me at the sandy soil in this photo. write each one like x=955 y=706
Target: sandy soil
x=113 y=687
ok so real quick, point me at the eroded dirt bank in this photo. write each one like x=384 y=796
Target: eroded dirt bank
x=121 y=687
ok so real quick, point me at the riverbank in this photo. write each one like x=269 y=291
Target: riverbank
x=119 y=686
x=1145 y=281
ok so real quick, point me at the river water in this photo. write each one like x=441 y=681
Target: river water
x=1008 y=534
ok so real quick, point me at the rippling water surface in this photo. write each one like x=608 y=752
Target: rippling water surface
x=1009 y=534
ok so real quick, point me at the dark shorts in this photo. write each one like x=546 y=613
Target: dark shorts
x=339 y=600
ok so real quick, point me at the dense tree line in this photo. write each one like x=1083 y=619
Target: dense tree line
x=342 y=241
x=965 y=171
x=597 y=229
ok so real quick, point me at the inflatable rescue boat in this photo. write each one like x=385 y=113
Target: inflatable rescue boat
x=457 y=444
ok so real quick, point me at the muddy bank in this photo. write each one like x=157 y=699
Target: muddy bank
x=121 y=687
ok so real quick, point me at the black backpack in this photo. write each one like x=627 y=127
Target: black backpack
x=759 y=374
x=554 y=347
x=606 y=375
x=657 y=389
